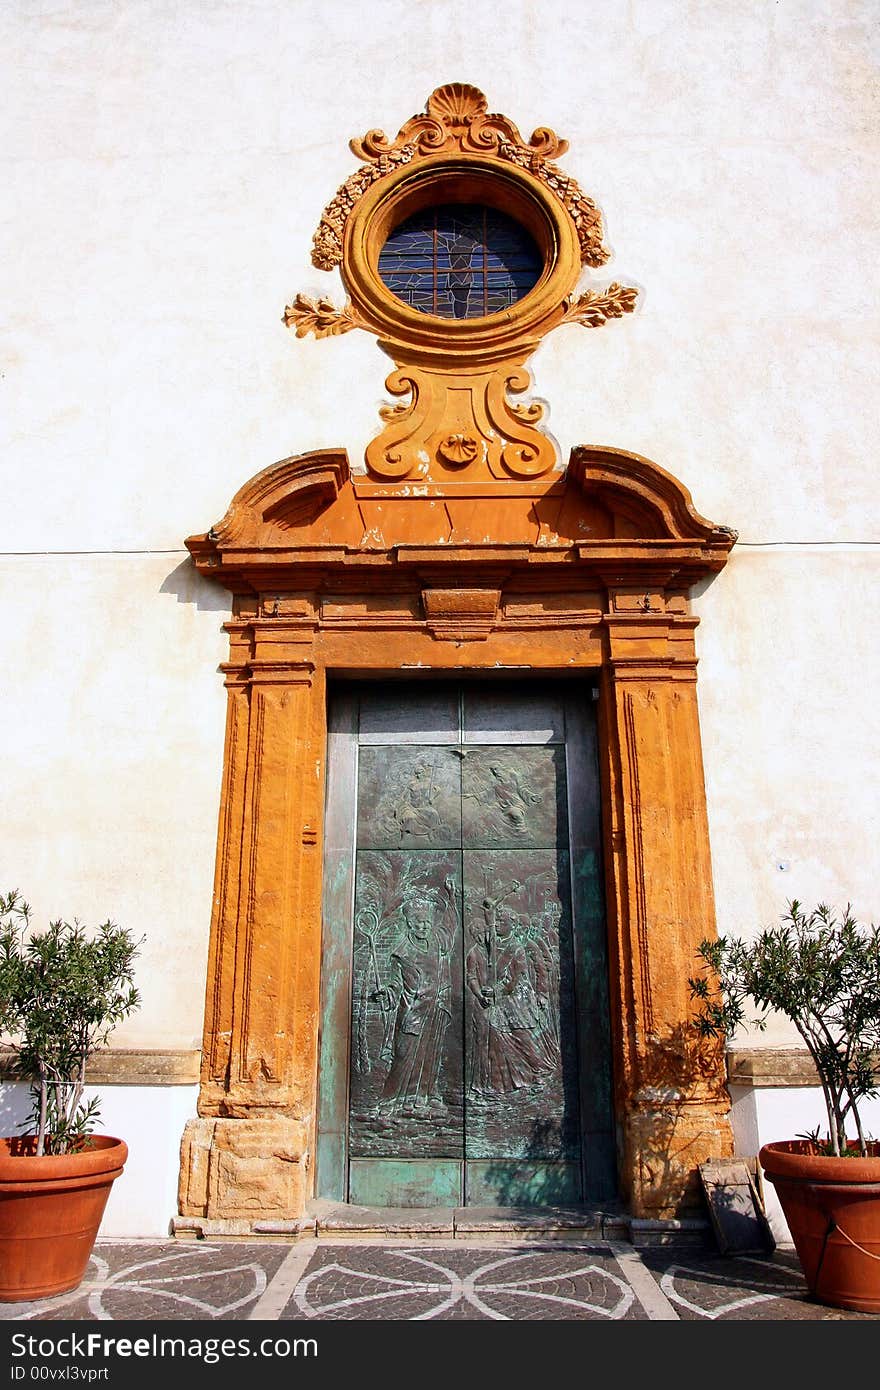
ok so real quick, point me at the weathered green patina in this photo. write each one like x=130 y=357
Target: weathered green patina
x=465 y=1035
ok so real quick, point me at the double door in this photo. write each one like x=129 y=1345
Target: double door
x=465 y=1049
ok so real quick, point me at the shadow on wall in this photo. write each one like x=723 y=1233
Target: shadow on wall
x=702 y=585
x=679 y=1064
x=188 y=586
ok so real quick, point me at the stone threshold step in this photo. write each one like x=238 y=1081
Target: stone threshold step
x=342 y=1221
x=347 y=1219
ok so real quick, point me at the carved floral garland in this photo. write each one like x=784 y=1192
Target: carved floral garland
x=456 y=118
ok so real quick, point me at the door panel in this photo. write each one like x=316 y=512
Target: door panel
x=510 y=716
x=406 y=1182
x=512 y=1183
x=476 y=1062
x=406 y=1024
x=427 y=714
x=520 y=1054
x=409 y=797
x=515 y=797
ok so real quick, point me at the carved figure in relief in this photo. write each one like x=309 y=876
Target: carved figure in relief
x=511 y=797
x=417 y=1001
x=413 y=814
x=508 y=1046
x=540 y=939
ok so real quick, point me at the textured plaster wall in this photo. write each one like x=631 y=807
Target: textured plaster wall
x=788 y=645
x=164 y=166
x=113 y=716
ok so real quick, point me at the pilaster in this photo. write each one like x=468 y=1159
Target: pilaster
x=251 y=1150
x=671 y=1101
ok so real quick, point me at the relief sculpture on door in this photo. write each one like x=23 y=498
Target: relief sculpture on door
x=463 y=1040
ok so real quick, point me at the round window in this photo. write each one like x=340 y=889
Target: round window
x=460 y=261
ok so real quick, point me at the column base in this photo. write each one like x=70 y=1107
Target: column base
x=664 y=1146
x=243 y=1171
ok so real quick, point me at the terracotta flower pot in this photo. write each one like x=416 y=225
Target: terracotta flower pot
x=50 y=1211
x=832 y=1207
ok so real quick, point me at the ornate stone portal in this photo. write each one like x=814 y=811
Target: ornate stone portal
x=462 y=550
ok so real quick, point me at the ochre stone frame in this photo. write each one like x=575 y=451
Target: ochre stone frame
x=586 y=571
x=462 y=550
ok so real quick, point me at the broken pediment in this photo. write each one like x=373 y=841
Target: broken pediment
x=608 y=507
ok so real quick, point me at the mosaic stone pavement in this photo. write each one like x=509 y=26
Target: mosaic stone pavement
x=427 y=1280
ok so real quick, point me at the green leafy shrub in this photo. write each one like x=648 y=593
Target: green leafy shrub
x=62 y=992
x=821 y=970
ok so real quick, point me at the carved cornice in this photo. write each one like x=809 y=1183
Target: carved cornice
x=114 y=1066
x=755 y=1067
x=614 y=515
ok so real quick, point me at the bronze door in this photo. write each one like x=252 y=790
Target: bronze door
x=465 y=1051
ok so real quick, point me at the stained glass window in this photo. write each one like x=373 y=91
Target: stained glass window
x=460 y=261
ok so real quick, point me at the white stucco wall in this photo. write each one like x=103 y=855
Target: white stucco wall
x=788 y=647
x=164 y=166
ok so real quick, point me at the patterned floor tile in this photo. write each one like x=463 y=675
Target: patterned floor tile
x=738 y=1287
x=168 y=1281
x=449 y=1283
x=427 y=1280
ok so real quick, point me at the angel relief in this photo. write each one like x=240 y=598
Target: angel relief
x=513 y=798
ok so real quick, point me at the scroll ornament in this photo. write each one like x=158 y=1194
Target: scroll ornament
x=457 y=422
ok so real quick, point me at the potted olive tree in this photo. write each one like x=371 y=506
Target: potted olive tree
x=62 y=991
x=821 y=970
